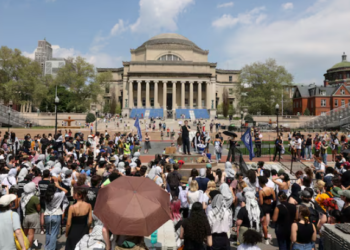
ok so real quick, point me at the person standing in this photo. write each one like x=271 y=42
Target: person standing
x=231 y=151
x=278 y=148
x=258 y=144
x=10 y=224
x=79 y=219
x=308 y=147
x=185 y=137
x=147 y=143
x=173 y=179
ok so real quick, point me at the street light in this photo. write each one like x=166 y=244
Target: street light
x=241 y=121
x=96 y=122
x=277 y=107
x=9 y=113
x=57 y=101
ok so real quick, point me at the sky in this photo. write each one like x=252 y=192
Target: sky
x=306 y=36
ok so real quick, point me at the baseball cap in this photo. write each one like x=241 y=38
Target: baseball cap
x=281 y=171
x=7 y=199
x=345 y=193
x=305 y=194
x=208 y=165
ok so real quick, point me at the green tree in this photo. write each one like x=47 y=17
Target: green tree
x=225 y=102
x=90 y=118
x=21 y=79
x=219 y=108
x=118 y=109
x=248 y=118
x=263 y=83
x=231 y=110
x=307 y=112
x=113 y=104
x=83 y=82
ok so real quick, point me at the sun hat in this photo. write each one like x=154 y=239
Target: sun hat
x=7 y=199
x=112 y=159
x=345 y=193
x=335 y=191
x=184 y=179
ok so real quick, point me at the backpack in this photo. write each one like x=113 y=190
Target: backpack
x=183 y=197
x=173 y=179
x=314 y=215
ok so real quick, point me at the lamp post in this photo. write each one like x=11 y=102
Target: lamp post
x=277 y=107
x=96 y=123
x=241 y=121
x=57 y=101
x=9 y=114
x=340 y=121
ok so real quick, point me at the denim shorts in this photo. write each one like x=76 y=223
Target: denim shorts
x=307 y=246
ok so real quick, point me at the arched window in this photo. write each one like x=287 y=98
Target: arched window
x=169 y=57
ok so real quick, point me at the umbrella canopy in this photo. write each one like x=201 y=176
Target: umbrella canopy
x=133 y=206
x=229 y=133
x=346 y=151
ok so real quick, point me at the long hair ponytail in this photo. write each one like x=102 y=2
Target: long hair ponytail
x=305 y=213
x=50 y=192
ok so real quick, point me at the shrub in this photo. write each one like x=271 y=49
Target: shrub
x=90 y=118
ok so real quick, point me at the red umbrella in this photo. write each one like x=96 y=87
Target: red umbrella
x=134 y=206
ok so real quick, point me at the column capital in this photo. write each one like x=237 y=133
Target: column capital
x=139 y=81
x=147 y=81
x=191 y=82
x=183 y=82
x=131 y=81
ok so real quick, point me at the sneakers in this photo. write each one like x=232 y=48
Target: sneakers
x=267 y=242
x=42 y=232
x=36 y=243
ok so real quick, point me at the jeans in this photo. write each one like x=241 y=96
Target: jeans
x=282 y=240
x=218 y=156
x=258 y=149
x=277 y=151
x=308 y=152
x=324 y=158
x=186 y=145
x=298 y=246
x=52 y=226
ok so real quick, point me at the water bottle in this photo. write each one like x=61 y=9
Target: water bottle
x=154 y=238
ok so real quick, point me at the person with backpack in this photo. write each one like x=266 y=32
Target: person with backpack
x=183 y=190
x=303 y=233
x=173 y=179
x=314 y=209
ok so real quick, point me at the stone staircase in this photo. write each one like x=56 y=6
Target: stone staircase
x=192 y=116
x=16 y=118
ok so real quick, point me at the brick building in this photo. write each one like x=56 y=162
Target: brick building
x=320 y=99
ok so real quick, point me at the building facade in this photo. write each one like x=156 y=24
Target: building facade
x=53 y=65
x=171 y=74
x=43 y=53
x=334 y=93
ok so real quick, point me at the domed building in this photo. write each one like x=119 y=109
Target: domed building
x=334 y=93
x=170 y=76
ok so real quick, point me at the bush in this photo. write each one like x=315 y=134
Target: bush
x=307 y=112
x=219 y=109
x=248 y=118
x=231 y=110
x=118 y=109
x=90 y=118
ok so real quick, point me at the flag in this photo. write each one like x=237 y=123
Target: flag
x=248 y=142
x=137 y=125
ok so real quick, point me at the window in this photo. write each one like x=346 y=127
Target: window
x=152 y=102
x=186 y=102
x=151 y=86
x=187 y=87
x=348 y=75
x=107 y=89
x=230 y=78
x=230 y=91
x=342 y=91
x=135 y=102
x=343 y=102
x=336 y=103
x=297 y=104
x=323 y=113
x=169 y=57
x=323 y=92
x=323 y=103
x=340 y=76
x=143 y=102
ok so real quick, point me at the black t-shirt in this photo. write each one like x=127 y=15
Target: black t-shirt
x=243 y=215
x=43 y=184
x=345 y=179
x=194 y=243
x=92 y=196
x=20 y=187
x=308 y=142
x=185 y=132
x=233 y=144
x=345 y=215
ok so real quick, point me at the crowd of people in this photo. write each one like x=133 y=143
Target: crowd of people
x=53 y=181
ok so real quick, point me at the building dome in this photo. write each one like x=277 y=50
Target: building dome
x=343 y=64
x=169 y=39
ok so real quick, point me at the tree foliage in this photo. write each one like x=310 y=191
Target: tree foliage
x=248 y=118
x=219 y=108
x=82 y=81
x=113 y=103
x=225 y=102
x=307 y=112
x=90 y=118
x=231 y=110
x=263 y=83
x=21 y=79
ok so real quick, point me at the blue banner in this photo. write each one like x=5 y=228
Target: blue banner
x=137 y=125
x=248 y=142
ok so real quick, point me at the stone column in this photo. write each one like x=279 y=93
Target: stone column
x=147 y=95
x=199 y=90
x=182 y=94
x=125 y=96
x=191 y=95
x=156 y=94
x=174 y=95
x=164 y=95
x=131 y=95
x=139 y=101
x=208 y=94
x=213 y=85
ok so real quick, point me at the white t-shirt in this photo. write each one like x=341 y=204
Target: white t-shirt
x=248 y=247
x=298 y=144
